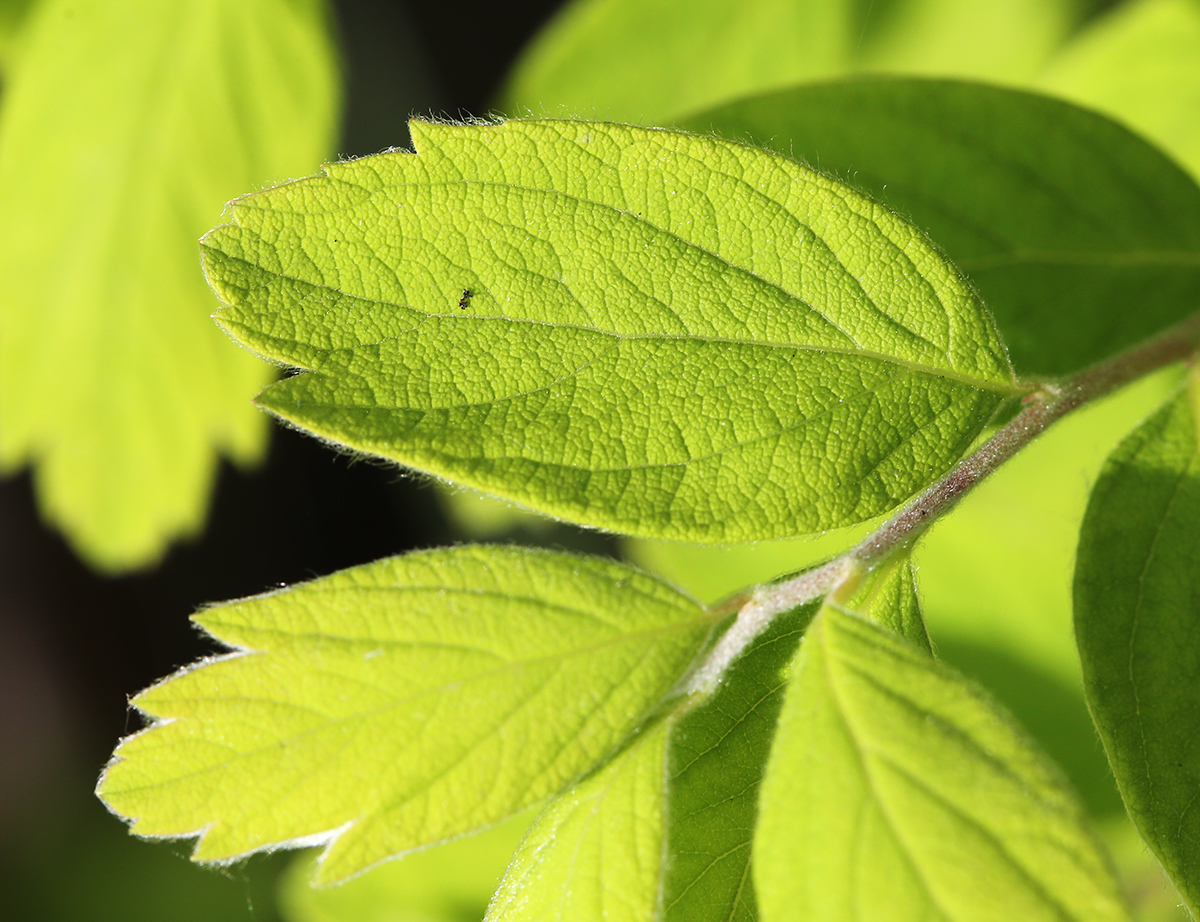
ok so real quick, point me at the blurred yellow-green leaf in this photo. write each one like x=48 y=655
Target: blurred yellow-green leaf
x=1005 y=42
x=647 y=61
x=450 y=883
x=13 y=15
x=1140 y=64
x=125 y=128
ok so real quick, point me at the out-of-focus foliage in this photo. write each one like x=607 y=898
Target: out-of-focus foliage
x=13 y=14
x=1140 y=64
x=650 y=61
x=449 y=883
x=123 y=129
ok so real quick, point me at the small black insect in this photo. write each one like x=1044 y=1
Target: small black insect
x=465 y=299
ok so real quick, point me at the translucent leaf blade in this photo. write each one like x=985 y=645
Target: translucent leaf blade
x=716 y=758
x=398 y=704
x=644 y=61
x=113 y=381
x=633 y=329
x=1137 y=582
x=664 y=830
x=1060 y=217
x=594 y=853
x=896 y=790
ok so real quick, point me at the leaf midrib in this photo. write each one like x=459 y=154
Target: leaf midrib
x=836 y=660
x=232 y=326
x=881 y=316
x=531 y=601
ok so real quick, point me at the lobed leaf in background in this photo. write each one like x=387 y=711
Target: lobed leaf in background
x=651 y=61
x=399 y=704
x=113 y=382
x=1054 y=212
x=895 y=789
x=1137 y=621
x=1140 y=64
x=634 y=329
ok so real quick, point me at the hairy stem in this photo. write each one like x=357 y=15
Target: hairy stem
x=1042 y=408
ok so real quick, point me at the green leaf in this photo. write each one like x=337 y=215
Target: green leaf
x=1057 y=214
x=13 y=16
x=1137 y=589
x=1015 y=636
x=719 y=748
x=1140 y=64
x=398 y=704
x=648 y=61
x=717 y=753
x=667 y=827
x=125 y=127
x=896 y=790
x=645 y=61
x=594 y=853
x=888 y=596
x=453 y=882
x=664 y=335
x=981 y=39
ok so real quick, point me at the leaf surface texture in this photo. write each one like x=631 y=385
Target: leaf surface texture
x=1056 y=213
x=593 y=855
x=398 y=704
x=628 y=328
x=897 y=790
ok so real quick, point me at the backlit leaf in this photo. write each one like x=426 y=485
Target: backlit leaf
x=644 y=61
x=124 y=129
x=896 y=790
x=1137 y=622
x=633 y=329
x=717 y=754
x=664 y=827
x=401 y=703
x=1060 y=217
x=594 y=853
x=888 y=596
